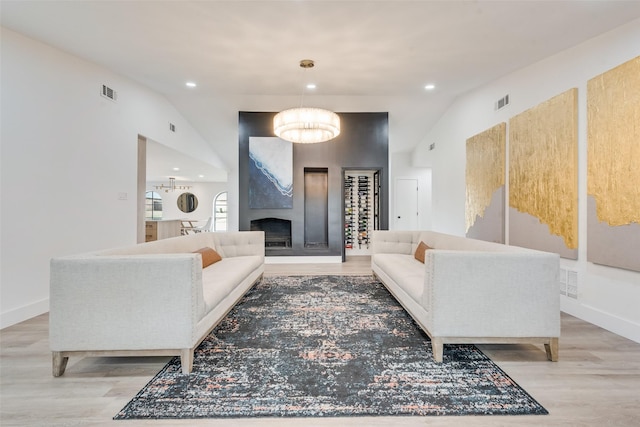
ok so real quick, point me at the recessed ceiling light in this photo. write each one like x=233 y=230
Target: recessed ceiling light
x=430 y=86
x=200 y=176
x=176 y=169
x=191 y=84
x=311 y=86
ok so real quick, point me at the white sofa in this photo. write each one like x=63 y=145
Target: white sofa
x=471 y=291
x=152 y=298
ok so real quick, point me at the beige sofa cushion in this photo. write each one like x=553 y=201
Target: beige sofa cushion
x=219 y=279
x=405 y=270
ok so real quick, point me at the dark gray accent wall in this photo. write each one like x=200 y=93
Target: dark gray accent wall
x=363 y=143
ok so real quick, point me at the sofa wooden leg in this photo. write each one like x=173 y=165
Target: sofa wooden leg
x=552 y=349
x=186 y=360
x=438 y=349
x=58 y=363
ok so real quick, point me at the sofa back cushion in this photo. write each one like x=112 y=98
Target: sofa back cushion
x=172 y=245
x=244 y=243
x=450 y=242
x=394 y=242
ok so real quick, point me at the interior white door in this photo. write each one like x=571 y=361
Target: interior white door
x=406 y=204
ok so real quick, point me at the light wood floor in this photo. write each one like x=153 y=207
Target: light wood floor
x=595 y=383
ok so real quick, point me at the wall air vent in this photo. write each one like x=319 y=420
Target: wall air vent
x=109 y=93
x=572 y=284
x=502 y=102
x=568 y=281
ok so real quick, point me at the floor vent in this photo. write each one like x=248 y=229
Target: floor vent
x=109 y=93
x=502 y=102
x=572 y=284
x=569 y=283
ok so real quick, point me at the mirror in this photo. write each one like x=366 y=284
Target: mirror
x=187 y=202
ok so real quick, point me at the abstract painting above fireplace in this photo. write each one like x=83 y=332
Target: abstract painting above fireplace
x=270 y=173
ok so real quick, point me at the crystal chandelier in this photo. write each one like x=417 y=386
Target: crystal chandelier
x=305 y=125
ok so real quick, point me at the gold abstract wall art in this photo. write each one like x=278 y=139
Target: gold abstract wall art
x=485 y=181
x=543 y=171
x=613 y=166
x=613 y=134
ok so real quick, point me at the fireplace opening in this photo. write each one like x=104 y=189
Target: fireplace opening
x=277 y=232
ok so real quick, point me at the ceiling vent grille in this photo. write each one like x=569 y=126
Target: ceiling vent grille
x=172 y=127
x=502 y=102
x=109 y=93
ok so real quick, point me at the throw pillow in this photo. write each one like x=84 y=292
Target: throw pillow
x=209 y=256
x=420 y=250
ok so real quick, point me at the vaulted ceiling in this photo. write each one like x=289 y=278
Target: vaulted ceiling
x=369 y=55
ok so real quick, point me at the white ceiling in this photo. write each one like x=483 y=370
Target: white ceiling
x=370 y=55
x=164 y=162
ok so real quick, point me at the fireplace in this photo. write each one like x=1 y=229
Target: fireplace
x=277 y=232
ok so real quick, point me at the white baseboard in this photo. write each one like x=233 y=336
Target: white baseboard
x=24 y=313
x=618 y=326
x=302 y=259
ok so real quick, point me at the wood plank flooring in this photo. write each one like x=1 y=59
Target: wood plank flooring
x=595 y=383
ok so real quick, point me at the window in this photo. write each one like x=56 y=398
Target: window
x=152 y=206
x=220 y=212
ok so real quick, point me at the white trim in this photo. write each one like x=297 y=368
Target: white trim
x=23 y=313
x=302 y=259
x=617 y=325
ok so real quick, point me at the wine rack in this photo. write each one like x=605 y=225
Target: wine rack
x=364 y=210
x=349 y=212
x=376 y=201
x=361 y=201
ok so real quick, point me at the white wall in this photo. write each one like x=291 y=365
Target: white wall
x=401 y=167
x=608 y=297
x=204 y=191
x=233 y=199
x=67 y=155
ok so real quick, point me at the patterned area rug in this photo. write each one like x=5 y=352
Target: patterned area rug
x=326 y=346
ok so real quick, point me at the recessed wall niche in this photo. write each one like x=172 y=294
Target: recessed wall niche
x=362 y=144
x=316 y=208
